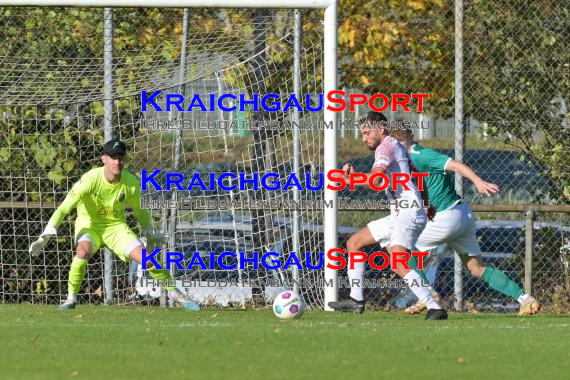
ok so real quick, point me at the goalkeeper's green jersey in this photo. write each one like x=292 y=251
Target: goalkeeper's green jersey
x=101 y=203
x=440 y=185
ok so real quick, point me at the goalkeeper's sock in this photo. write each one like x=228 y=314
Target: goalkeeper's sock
x=499 y=281
x=76 y=275
x=161 y=274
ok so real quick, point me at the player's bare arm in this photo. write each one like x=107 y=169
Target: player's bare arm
x=482 y=186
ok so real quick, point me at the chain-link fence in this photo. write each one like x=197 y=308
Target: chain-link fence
x=514 y=79
x=512 y=71
x=72 y=77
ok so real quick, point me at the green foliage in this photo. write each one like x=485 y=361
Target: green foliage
x=549 y=274
x=517 y=74
x=399 y=46
x=528 y=60
x=516 y=56
x=31 y=151
x=516 y=62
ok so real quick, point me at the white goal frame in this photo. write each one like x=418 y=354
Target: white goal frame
x=330 y=83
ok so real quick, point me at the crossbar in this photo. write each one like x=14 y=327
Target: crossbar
x=319 y=4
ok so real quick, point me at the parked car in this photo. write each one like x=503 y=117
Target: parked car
x=502 y=243
x=503 y=246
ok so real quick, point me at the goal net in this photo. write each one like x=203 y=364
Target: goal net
x=62 y=66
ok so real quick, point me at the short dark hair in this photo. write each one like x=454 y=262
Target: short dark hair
x=373 y=117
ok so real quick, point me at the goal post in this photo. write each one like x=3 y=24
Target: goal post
x=271 y=153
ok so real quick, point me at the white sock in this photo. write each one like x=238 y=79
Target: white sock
x=72 y=297
x=414 y=282
x=523 y=298
x=356 y=278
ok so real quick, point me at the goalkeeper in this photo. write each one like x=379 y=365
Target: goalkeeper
x=100 y=196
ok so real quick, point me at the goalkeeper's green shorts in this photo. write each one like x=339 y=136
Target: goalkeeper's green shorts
x=118 y=237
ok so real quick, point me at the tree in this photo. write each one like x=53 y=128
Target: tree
x=516 y=71
x=517 y=80
x=399 y=46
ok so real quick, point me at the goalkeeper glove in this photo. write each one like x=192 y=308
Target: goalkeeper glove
x=39 y=244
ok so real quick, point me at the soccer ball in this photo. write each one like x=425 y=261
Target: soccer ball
x=288 y=305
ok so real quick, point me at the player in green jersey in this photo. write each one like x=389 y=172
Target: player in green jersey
x=454 y=222
x=100 y=197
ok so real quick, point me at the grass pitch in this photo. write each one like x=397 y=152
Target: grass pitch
x=101 y=342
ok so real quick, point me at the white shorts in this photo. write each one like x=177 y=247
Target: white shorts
x=454 y=227
x=402 y=228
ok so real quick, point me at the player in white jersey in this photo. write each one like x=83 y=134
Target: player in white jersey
x=399 y=231
x=454 y=223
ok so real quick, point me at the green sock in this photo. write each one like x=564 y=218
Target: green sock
x=76 y=275
x=413 y=263
x=499 y=281
x=161 y=274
